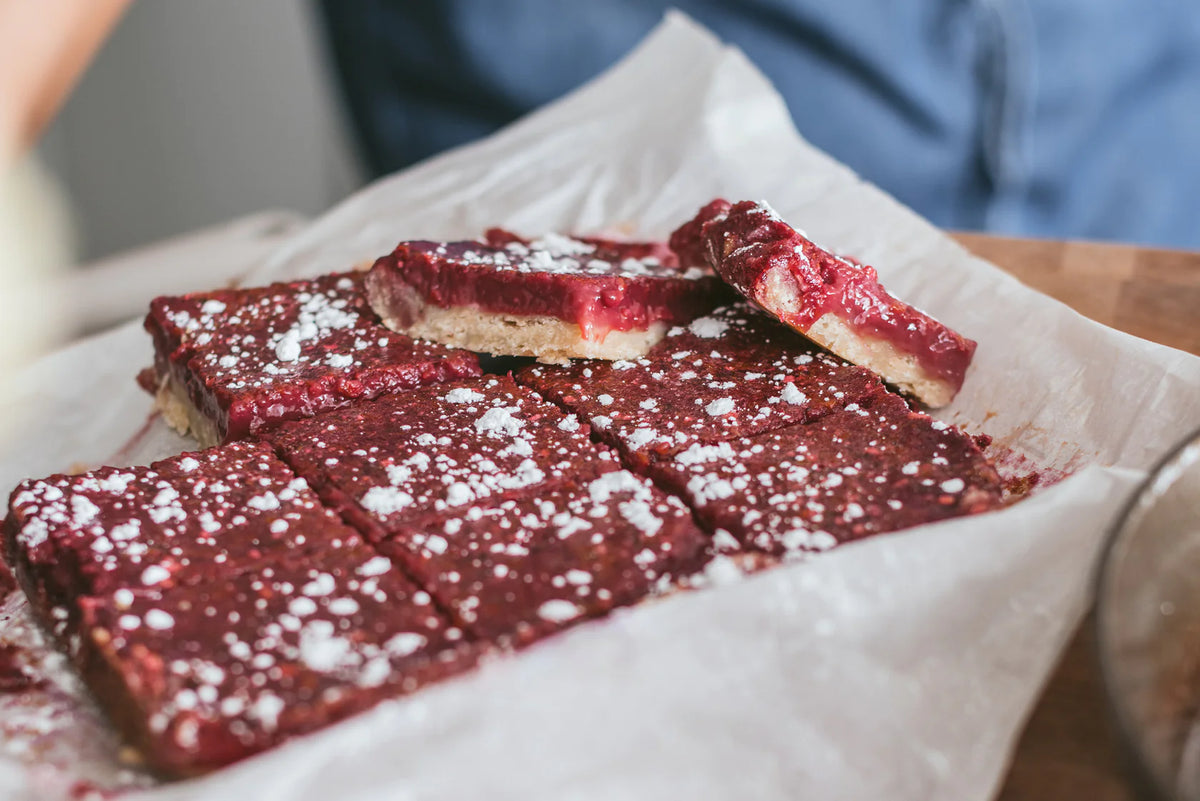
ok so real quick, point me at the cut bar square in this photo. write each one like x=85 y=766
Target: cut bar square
x=438 y=449
x=192 y=518
x=730 y=374
x=232 y=362
x=197 y=677
x=513 y=572
x=871 y=468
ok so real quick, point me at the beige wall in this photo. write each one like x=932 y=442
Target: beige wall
x=197 y=111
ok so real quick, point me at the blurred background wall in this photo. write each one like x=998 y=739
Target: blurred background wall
x=197 y=112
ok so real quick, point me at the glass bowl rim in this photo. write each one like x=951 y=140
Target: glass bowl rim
x=1130 y=742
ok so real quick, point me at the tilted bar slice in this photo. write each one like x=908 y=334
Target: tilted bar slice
x=834 y=301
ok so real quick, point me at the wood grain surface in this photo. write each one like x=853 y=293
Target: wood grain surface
x=1154 y=294
x=1069 y=748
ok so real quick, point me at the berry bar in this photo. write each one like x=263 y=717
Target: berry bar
x=554 y=298
x=196 y=517
x=200 y=676
x=836 y=302
x=232 y=362
x=871 y=468
x=438 y=449
x=730 y=374
x=516 y=571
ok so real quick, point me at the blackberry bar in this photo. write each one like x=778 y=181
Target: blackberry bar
x=232 y=362
x=834 y=301
x=870 y=468
x=215 y=607
x=200 y=676
x=436 y=450
x=554 y=298
x=729 y=374
x=517 y=570
x=193 y=518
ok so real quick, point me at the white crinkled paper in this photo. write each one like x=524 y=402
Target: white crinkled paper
x=900 y=667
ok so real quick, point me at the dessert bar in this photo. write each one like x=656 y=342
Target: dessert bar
x=834 y=301
x=232 y=362
x=192 y=518
x=870 y=468
x=199 y=676
x=517 y=570
x=554 y=298
x=732 y=373
x=438 y=449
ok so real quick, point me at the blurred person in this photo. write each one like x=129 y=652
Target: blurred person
x=46 y=46
x=1056 y=118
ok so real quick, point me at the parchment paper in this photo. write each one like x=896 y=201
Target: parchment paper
x=901 y=667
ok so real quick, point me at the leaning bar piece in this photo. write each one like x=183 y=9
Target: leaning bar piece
x=554 y=298
x=836 y=302
x=231 y=362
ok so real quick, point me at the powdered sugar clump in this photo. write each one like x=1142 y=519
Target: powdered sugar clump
x=500 y=421
x=464 y=395
x=385 y=501
x=791 y=394
x=708 y=327
x=558 y=611
x=720 y=406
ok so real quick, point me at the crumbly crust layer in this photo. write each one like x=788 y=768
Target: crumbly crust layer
x=779 y=293
x=178 y=411
x=881 y=356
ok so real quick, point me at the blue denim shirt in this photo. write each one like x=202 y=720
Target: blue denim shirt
x=1062 y=118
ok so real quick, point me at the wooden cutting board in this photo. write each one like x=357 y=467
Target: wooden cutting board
x=1069 y=749
x=1154 y=294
